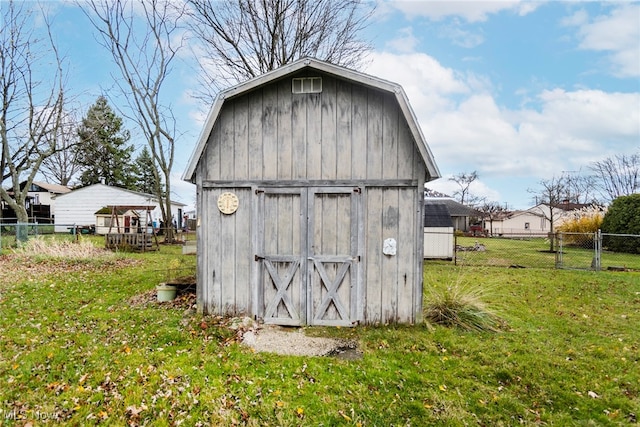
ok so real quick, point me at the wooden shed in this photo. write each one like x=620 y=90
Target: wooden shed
x=438 y=232
x=309 y=197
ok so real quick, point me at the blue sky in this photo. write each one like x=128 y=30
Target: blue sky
x=518 y=91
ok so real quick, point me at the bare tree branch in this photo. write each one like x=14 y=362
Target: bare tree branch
x=618 y=176
x=241 y=39
x=32 y=110
x=464 y=181
x=144 y=39
x=549 y=196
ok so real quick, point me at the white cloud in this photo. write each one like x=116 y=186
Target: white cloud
x=429 y=86
x=477 y=188
x=617 y=33
x=470 y=10
x=182 y=191
x=468 y=130
x=405 y=42
x=461 y=37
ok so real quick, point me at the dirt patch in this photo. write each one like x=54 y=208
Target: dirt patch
x=294 y=342
x=260 y=338
x=183 y=300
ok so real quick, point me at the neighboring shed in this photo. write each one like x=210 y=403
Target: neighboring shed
x=117 y=220
x=438 y=232
x=79 y=206
x=460 y=214
x=309 y=198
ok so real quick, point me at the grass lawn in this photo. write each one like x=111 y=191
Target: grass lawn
x=79 y=345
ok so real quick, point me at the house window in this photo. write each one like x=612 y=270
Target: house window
x=526 y=226
x=306 y=85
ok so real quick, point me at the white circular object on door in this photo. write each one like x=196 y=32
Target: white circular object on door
x=228 y=203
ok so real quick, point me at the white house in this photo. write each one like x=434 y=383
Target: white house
x=43 y=193
x=533 y=221
x=40 y=203
x=79 y=207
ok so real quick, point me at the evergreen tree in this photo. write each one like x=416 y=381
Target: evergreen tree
x=103 y=154
x=147 y=177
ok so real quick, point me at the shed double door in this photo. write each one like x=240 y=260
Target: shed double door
x=308 y=254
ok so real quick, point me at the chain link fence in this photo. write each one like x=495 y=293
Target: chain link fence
x=14 y=234
x=585 y=251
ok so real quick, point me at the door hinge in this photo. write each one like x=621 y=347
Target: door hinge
x=258 y=257
x=258 y=191
x=357 y=190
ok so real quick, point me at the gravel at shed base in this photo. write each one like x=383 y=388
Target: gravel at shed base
x=275 y=339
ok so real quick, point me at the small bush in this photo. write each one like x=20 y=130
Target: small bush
x=623 y=217
x=461 y=306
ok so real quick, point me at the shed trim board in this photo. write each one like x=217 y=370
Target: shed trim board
x=327 y=219
x=313 y=183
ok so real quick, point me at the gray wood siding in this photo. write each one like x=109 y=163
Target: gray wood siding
x=391 y=282
x=322 y=180
x=345 y=132
x=225 y=254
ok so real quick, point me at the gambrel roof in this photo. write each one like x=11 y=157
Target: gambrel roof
x=331 y=69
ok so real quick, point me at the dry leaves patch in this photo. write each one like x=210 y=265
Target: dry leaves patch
x=39 y=257
x=14 y=267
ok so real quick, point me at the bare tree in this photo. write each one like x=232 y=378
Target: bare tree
x=618 y=175
x=550 y=196
x=144 y=39
x=463 y=194
x=491 y=211
x=62 y=166
x=32 y=110
x=242 y=39
x=580 y=188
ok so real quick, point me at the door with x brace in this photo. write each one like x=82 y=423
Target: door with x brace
x=308 y=248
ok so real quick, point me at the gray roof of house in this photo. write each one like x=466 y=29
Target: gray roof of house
x=437 y=215
x=455 y=208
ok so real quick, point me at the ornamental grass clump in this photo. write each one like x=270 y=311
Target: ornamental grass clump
x=62 y=249
x=461 y=306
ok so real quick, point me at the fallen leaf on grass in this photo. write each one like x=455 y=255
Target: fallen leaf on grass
x=345 y=416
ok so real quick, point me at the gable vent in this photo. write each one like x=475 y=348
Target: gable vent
x=306 y=85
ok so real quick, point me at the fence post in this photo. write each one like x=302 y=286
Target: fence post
x=455 y=246
x=597 y=256
x=22 y=232
x=559 y=242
